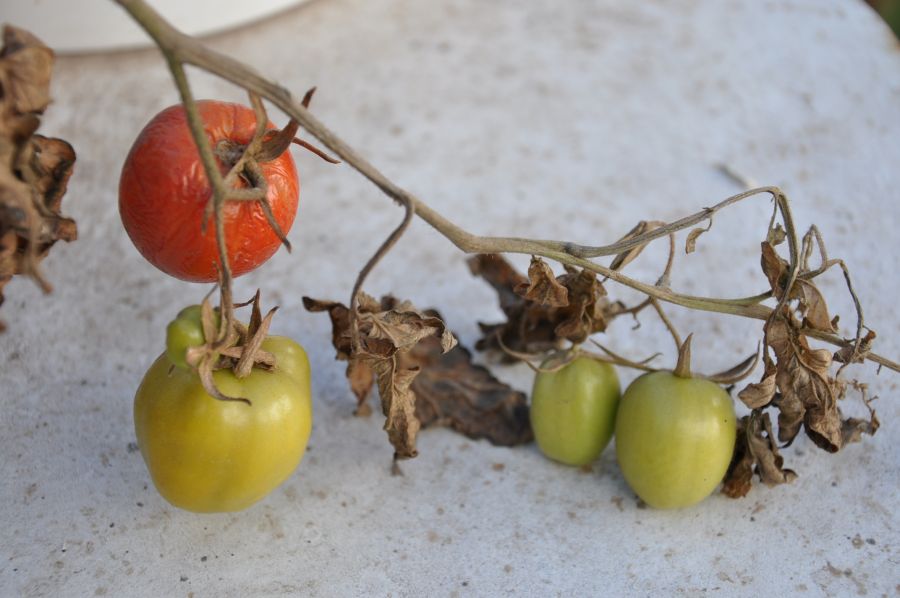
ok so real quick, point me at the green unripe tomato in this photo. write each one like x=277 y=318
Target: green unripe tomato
x=212 y=456
x=184 y=332
x=674 y=438
x=573 y=410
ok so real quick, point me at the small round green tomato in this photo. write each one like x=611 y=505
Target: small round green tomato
x=184 y=332
x=674 y=438
x=206 y=455
x=573 y=410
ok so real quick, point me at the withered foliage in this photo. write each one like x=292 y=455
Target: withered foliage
x=454 y=392
x=424 y=378
x=34 y=169
x=798 y=382
x=542 y=311
x=755 y=452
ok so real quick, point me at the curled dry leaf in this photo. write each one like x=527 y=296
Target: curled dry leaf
x=853 y=428
x=690 y=244
x=34 y=170
x=811 y=303
x=854 y=354
x=388 y=331
x=359 y=374
x=626 y=257
x=757 y=395
x=812 y=306
x=776 y=234
x=755 y=452
x=536 y=326
x=542 y=287
x=424 y=378
x=808 y=394
x=737 y=373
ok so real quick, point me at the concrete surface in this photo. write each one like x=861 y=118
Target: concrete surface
x=546 y=119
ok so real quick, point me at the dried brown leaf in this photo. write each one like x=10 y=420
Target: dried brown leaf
x=769 y=462
x=759 y=394
x=532 y=327
x=690 y=244
x=776 y=235
x=737 y=373
x=26 y=65
x=812 y=306
x=500 y=274
x=424 y=379
x=739 y=477
x=361 y=379
x=35 y=169
x=756 y=452
x=401 y=325
x=542 y=287
x=398 y=403
x=626 y=257
x=850 y=353
x=359 y=373
x=340 y=323
x=453 y=392
x=853 y=428
x=774 y=267
x=385 y=337
x=808 y=393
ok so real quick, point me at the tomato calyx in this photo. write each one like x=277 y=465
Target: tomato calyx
x=235 y=346
x=243 y=163
x=726 y=378
x=269 y=145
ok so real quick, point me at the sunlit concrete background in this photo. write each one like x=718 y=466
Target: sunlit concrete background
x=542 y=119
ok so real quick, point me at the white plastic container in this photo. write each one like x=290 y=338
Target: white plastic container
x=97 y=25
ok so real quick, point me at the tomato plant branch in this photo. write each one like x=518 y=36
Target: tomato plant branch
x=219 y=193
x=180 y=49
x=382 y=250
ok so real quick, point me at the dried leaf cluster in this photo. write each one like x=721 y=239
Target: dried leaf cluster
x=543 y=311
x=424 y=377
x=798 y=382
x=34 y=169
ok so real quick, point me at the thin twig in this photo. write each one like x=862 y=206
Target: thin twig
x=665 y=320
x=219 y=191
x=370 y=265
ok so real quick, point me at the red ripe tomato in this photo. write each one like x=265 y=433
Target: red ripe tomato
x=163 y=192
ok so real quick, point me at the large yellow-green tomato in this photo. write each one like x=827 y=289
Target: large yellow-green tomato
x=573 y=410
x=674 y=438
x=207 y=455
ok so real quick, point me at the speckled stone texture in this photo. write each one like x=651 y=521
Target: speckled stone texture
x=566 y=120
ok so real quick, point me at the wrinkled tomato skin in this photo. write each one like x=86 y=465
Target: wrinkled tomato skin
x=163 y=192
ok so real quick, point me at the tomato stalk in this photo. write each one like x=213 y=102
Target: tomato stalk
x=180 y=49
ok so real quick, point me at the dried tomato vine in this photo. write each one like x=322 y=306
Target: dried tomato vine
x=544 y=311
